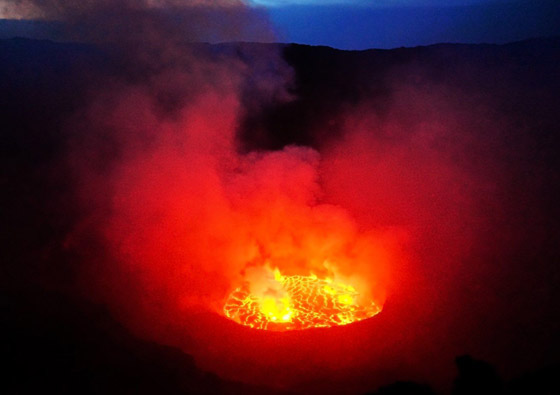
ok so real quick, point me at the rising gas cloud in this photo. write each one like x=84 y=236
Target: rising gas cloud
x=177 y=212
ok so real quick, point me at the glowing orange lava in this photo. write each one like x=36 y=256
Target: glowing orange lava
x=298 y=302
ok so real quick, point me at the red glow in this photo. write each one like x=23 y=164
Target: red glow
x=187 y=219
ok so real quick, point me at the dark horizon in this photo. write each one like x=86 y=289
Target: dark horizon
x=41 y=31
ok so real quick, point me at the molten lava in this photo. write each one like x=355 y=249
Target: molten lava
x=298 y=302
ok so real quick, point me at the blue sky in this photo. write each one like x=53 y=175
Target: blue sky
x=362 y=24
x=368 y=3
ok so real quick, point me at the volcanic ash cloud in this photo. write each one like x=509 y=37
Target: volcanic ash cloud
x=181 y=214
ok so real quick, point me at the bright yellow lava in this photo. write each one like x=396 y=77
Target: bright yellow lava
x=304 y=302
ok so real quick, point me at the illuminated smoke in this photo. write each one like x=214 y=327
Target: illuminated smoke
x=180 y=213
x=182 y=216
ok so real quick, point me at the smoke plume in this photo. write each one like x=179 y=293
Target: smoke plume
x=178 y=208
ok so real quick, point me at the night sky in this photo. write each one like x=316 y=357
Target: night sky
x=364 y=24
x=395 y=23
